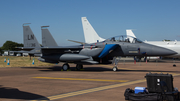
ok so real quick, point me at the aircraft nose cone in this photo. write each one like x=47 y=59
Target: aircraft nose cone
x=160 y=51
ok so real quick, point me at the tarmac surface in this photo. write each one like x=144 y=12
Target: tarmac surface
x=93 y=83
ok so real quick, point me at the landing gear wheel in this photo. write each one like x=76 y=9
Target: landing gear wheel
x=65 y=67
x=79 y=66
x=115 y=68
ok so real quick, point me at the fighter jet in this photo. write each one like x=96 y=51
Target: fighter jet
x=100 y=52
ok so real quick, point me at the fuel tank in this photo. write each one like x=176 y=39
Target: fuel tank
x=66 y=57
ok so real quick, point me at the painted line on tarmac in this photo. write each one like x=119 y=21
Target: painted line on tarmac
x=76 y=93
x=81 y=79
x=55 y=97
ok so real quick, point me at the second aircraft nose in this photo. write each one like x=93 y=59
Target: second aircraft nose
x=160 y=51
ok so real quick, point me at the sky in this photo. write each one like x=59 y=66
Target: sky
x=152 y=20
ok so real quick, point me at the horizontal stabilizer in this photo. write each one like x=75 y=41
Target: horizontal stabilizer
x=35 y=51
x=25 y=48
x=77 y=42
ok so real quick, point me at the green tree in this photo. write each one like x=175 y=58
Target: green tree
x=9 y=45
x=0 y=50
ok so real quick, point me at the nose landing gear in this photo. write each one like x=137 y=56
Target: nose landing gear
x=115 y=61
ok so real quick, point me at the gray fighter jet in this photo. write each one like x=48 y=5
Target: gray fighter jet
x=100 y=52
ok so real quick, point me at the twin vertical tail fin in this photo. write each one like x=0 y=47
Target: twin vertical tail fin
x=89 y=33
x=28 y=36
x=47 y=38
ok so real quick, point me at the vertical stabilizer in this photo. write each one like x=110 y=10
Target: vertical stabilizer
x=89 y=33
x=29 y=38
x=47 y=39
x=130 y=33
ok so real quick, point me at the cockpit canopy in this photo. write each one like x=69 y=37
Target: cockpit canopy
x=124 y=38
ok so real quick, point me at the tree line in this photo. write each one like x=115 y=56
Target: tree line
x=10 y=46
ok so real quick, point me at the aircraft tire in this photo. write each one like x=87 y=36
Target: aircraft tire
x=79 y=66
x=115 y=68
x=65 y=67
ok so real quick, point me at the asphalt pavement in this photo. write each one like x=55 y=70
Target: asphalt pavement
x=93 y=83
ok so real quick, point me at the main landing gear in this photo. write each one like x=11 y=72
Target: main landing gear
x=79 y=66
x=66 y=66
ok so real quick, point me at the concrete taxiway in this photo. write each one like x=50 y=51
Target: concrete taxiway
x=94 y=83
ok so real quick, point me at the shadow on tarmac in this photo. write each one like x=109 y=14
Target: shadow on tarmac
x=13 y=93
x=99 y=69
x=86 y=69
